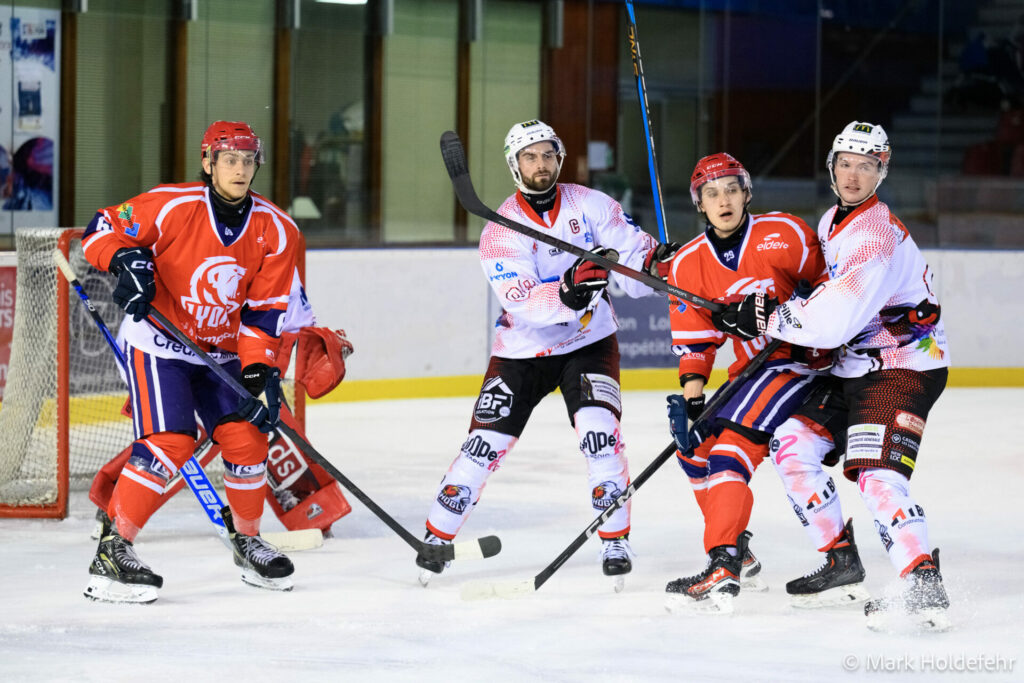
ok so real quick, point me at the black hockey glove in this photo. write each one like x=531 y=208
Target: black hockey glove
x=658 y=261
x=136 y=285
x=583 y=280
x=747 y=317
x=259 y=378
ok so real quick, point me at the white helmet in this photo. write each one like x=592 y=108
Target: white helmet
x=523 y=135
x=861 y=138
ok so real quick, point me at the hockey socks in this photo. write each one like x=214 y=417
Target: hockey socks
x=797 y=452
x=900 y=521
x=728 y=512
x=140 y=487
x=481 y=454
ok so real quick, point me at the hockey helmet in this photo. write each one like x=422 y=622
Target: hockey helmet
x=234 y=135
x=862 y=138
x=523 y=135
x=717 y=166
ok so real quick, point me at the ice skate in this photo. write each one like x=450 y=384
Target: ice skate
x=616 y=560
x=838 y=581
x=712 y=590
x=750 y=574
x=430 y=567
x=102 y=525
x=263 y=565
x=118 y=575
x=922 y=606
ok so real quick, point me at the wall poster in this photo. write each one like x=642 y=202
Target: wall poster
x=29 y=117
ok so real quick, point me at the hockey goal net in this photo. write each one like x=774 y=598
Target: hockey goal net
x=60 y=420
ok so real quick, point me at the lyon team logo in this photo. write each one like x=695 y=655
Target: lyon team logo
x=214 y=291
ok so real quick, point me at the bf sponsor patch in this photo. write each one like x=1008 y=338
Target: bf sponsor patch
x=910 y=422
x=495 y=401
x=601 y=388
x=454 y=497
x=604 y=494
x=865 y=441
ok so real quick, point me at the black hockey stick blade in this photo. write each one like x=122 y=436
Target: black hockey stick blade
x=454 y=156
x=484 y=547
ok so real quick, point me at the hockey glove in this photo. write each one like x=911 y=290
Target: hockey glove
x=658 y=261
x=259 y=378
x=583 y=280
x=136 y=285
x=679 y=412
x=747 y=317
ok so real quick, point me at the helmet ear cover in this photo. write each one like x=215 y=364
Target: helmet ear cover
x=521 y=136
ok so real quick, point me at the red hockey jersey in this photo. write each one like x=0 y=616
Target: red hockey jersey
x=225 y=287
x=777 y=251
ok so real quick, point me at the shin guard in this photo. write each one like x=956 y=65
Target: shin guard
x=141 y=484
x=245 y=472
x=797 y=451
x=481 y=454
x=900 y=522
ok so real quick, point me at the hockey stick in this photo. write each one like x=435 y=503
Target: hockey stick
x=455 y=162
x=192 y=472
x=509 y=589
x=645 y=115
x=486 y=546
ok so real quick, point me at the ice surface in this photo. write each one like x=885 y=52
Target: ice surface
x=357 y=612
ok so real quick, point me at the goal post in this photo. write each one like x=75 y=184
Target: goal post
x=60 y=417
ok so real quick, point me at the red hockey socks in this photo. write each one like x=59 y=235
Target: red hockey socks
x=245 y=473
x=140 y=487
x=727 y=513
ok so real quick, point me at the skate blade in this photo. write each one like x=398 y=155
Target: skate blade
x=754 y=584
x=840 y=596
x=618 y=583
x=251 y=578
x=425 y=576
x=102 y=589
x=717 y=602
x=934 y=620
x=507 y=590
x=97 y=531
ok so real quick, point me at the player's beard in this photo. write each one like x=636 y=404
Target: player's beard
x=543 y=185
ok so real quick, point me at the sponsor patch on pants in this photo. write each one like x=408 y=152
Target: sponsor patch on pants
x=594 y=387
x=865 y=441
x=495 y=401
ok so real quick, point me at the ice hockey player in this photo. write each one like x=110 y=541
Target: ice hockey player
x=300 y=492
x=556 y=330
x=737 y=253
x=218 y=260
x=879 y=306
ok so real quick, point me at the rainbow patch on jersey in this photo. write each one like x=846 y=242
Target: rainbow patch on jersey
x=930 y=347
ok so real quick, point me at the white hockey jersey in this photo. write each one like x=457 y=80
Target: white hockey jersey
x=877 y=305
x=525 y=274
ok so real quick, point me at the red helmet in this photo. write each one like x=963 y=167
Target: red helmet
x=716 y=166
x=237 y=135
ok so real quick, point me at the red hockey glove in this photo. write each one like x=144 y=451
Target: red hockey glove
x=583 y=280
x=658 y=261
